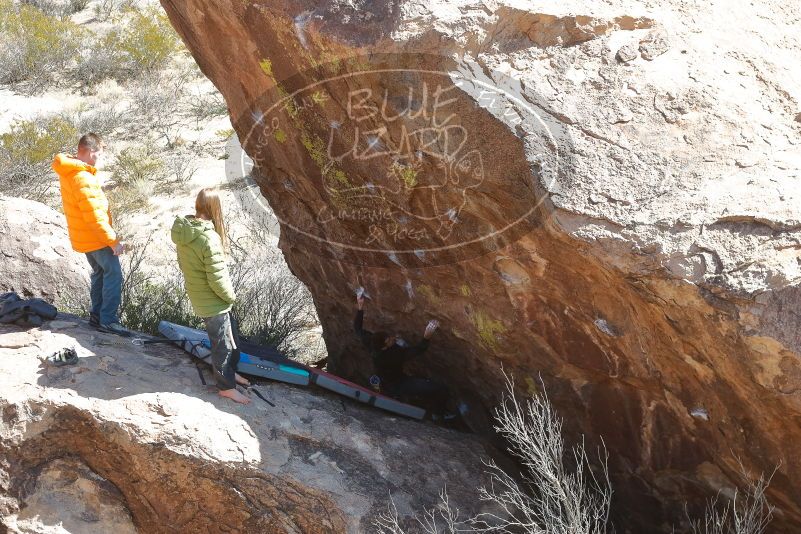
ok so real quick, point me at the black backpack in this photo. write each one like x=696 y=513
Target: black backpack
x=30 y=312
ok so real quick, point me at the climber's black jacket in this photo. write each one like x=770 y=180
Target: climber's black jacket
x=388 y=364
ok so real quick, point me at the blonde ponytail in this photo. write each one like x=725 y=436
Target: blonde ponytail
x=209 y=206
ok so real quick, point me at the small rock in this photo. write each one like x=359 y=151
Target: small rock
x=746 y=161
x=597 y=199
x=653 y=45
x=798 y=118
x=627 y=53
x=616 y=113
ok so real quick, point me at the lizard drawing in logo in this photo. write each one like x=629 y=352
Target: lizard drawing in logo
x=430 y=183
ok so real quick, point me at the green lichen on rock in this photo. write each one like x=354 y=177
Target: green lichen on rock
x=335 y=179
x=267 y=67
x=340 y=177
x=315 y=147
x=429 y=293
x=488 y=329
x=279 y=135
x=318 y=97
x=409 y=177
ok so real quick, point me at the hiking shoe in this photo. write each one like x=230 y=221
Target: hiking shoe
x=114 y=328
x=94 y=320
x=65 y=356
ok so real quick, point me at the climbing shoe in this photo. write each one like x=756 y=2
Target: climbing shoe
x=65 y=356
x=94 y=320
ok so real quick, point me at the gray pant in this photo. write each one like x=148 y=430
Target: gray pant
x=224 y=354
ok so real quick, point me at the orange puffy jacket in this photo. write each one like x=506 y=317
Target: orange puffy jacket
x=85 y=205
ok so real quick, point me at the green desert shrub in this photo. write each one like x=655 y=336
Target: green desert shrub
x=35 y=46
x=138 y=163
x=100 y=60
x=26 y=152
x=149 y=40
x=140 y=43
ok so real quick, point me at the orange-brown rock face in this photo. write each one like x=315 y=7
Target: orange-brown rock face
x=605 y=197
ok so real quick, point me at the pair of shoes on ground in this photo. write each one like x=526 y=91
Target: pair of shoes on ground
x=113 y=328
x=65 y=356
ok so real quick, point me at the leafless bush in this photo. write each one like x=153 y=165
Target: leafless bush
x=550 y=499
x=206 y=106
x=272 y=309
x=553 y=500
x=97 y=62
x=57 y=8
x=157 y=102
x=181 y=168
x=441 y=519
x=105 y=9
x=103 y=118
x=748 y=511
x=147 y=296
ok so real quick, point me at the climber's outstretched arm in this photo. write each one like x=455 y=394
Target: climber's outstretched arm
x=358 y=322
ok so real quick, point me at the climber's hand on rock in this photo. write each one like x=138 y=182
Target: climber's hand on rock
x=360 y=296
x=431 y=328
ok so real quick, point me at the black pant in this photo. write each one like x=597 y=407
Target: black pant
x=224 y=354
x=431 y=394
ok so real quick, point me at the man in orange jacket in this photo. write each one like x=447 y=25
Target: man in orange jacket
x=89 y=224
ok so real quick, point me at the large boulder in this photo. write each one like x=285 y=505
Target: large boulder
x=604 y=195
x=130 y=440
x=36 y=259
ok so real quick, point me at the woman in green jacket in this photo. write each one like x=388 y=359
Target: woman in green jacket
x=201 y=242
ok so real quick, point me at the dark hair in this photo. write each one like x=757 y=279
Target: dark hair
x=378 y=340
x=91 y=141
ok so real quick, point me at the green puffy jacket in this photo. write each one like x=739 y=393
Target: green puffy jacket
x=202 y=260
